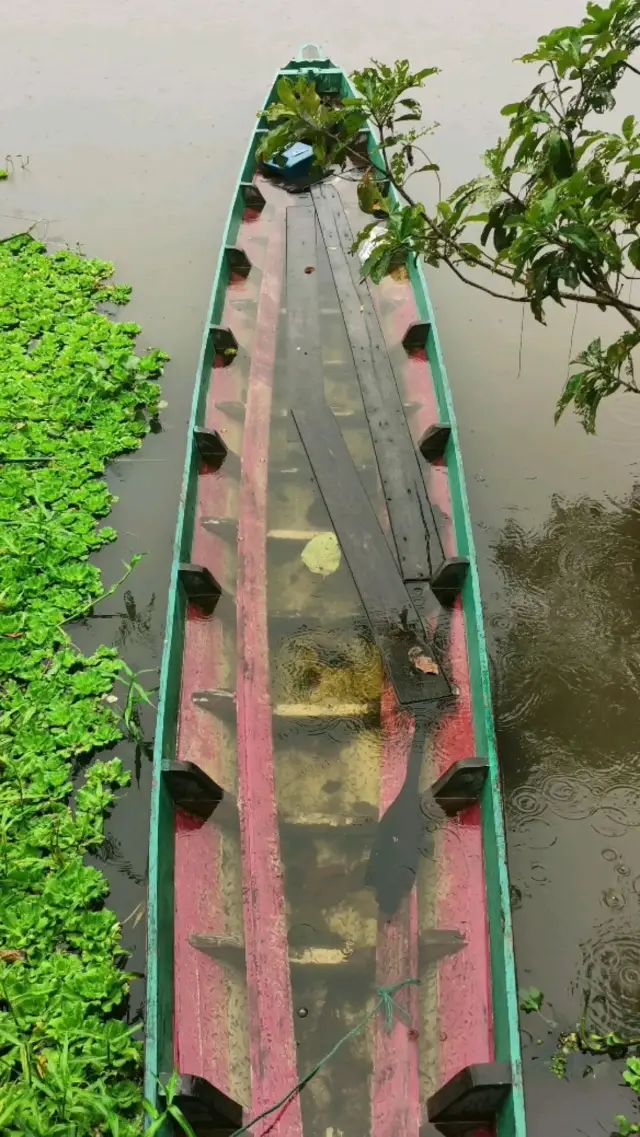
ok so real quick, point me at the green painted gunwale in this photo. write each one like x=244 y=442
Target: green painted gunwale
x=159 y=1013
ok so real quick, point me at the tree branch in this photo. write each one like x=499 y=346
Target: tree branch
x=603 y=297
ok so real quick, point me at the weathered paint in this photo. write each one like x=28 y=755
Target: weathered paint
x=464 y=982
x=471 y=732
x=395 y=1088
x=506 y=1035
x=272 y=1045
x=202 y=1020
x=159 y=1026
x=464 y=999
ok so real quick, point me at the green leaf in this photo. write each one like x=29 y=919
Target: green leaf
x=157 y=1126
x=531 y=999
x=510 y=109
x=182 y=1121
x=628 y=127
x=285 y=93
x=560 y=155
x=370 y=197
x=474 y=251
x=625 y=1128
x=633 y=252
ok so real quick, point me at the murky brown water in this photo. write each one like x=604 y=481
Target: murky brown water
x=134 y=115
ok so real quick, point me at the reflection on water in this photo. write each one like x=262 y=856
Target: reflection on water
x=567 y=667
x=575 y=599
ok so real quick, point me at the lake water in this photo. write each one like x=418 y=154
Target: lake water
x=134 y=117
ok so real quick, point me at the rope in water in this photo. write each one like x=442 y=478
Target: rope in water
x=386 y=1003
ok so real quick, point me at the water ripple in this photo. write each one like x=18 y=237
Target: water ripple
x=610 y=970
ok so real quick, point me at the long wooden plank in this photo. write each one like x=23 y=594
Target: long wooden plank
x=304 y=361
x=271 y=1032
x=394 y=620
x=412 y=523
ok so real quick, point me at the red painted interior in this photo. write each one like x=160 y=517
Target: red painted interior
x=202 y=1025
x=464 y=979
x=271 y=1034
x=395 y=1091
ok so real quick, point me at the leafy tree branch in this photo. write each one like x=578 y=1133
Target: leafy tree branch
x=558 y=202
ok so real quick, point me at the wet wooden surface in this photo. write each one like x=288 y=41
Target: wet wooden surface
x=412 y=523
x=395 y=623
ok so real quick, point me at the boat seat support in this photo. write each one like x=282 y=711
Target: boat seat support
x=200 y=585
x=461 y=785
x=191 y=788
x=415 y=337
x=471 y=1099
x=434 y=441
x=252 y=196
x=205 y=1107
x=237 y=261
x=448 y=579
x=211 y=447
x=224 y=342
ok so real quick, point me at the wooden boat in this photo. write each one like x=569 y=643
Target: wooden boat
x=326 y=817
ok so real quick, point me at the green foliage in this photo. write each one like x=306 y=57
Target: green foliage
x=602 y=375
x=632 y=1077
x=73 y=395
x=558 y=202
x=4 y=174
x=531 y=999
x=159 y=1121
x=302 y=115
x=632 y=1074
x=625 y=1127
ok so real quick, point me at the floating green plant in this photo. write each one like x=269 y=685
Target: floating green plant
x=73 y=395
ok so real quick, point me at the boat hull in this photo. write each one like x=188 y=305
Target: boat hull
x=241 y=994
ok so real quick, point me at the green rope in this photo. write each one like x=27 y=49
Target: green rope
x=386 y=1003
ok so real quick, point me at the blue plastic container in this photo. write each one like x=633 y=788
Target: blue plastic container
x=297 y=161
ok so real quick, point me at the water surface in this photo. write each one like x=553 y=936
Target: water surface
x=134 y=116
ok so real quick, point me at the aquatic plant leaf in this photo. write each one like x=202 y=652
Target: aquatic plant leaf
x=531 y=999
x=322 y=554
x=72 y=397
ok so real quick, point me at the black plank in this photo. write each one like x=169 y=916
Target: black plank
x=304 y=360
x=395 y=623
x=410 y=515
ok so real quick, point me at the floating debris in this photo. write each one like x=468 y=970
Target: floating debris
x=423 y=662
x=322 y=554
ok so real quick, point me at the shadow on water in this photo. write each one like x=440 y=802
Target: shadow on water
x=567 y=677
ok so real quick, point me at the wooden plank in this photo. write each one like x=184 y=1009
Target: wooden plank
x=304 y=357
x=412 y=523
x=394 y=620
